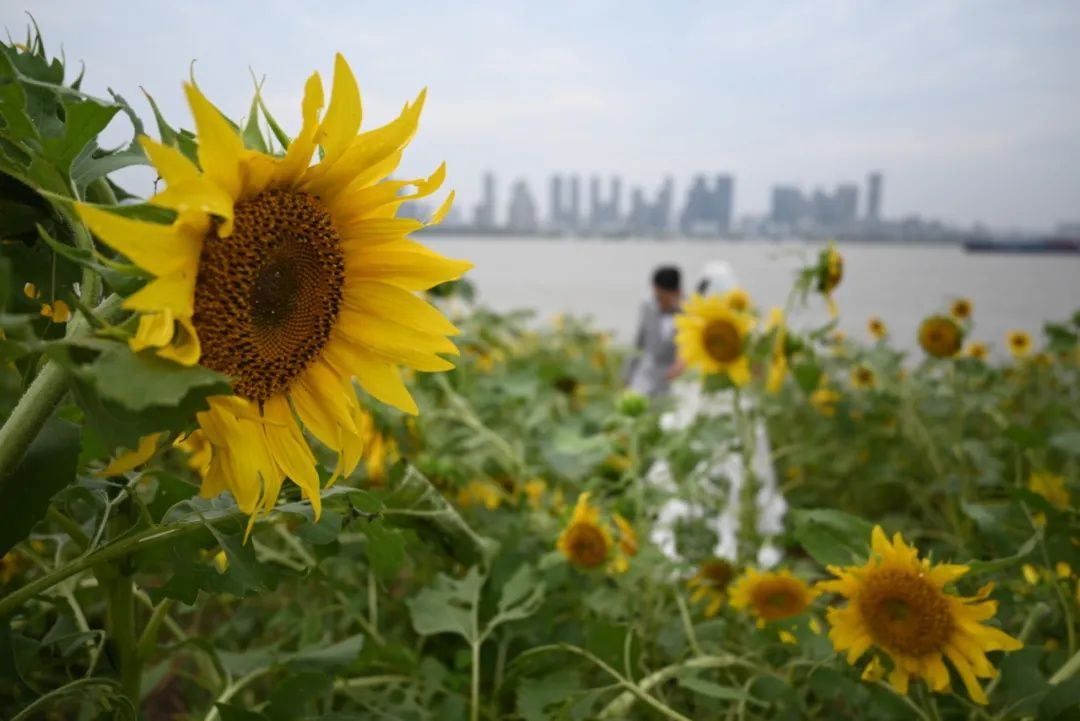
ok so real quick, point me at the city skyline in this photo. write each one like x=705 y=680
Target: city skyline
x=970 y=108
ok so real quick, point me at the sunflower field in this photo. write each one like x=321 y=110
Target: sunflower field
x=265 y=457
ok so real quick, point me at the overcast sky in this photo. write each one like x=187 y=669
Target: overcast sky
x=971 y=109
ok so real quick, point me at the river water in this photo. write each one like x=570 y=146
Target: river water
x=607 y=280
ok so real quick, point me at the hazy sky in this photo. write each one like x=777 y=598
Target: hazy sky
x=971 y=109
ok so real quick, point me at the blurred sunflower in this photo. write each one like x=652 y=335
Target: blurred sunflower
x=1019 y=343
x=961 y=309
x=380 y=449
x=978 y=351
x=771 y=595
x=824 y=401
x=863 y=377
x=586 y=541
x=534 y=490
x=480 y=493
x=1051 y=487
x=710 y=584
x=712 y=337
x=830 y=271
x=627 y=544
x=778 y=364
x=898 y=603
x=940 y=336
x=11 y=565
x=737 y=299
x=877 y=329
x=290 y=278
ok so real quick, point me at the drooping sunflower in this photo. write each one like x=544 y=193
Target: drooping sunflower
x=961 y=309
x=940 y=336
x=290 y=278
x=830 y=271
x=771 y=595
x=898 y=604
x=877 y=328
x=710 y=584
x=711 y=337
x=977 y=350
x=586 y=541
x=863 y=377
x=1019 y=343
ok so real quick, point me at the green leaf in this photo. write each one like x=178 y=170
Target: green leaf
x=998 y=564
x=573 y=456
x=83 y=121
x=692 y=682
x=1062 y=702
x=293 y=695
x=228 y=712
x=1068 y=441
x=521 y=595
x=537 y=697
x=385 y=548
x=832 y=537
x=448 y=606
x=141 y=380
x=326 y=530
x=48 y=465
x=807 y=375
x=333 y=658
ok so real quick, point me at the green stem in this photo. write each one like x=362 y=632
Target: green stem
x=1067 y=670
x=121 y=628
x=148 y=640
x=73 y=529
x=474 y=684
x=116 y=550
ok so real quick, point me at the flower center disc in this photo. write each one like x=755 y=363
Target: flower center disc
x=719 y=573
x=777 y=599
x=267 y=297
x=721 y=340
x=587 y=545
x=905 y=613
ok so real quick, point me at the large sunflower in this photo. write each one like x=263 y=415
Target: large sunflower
x=899 y=604
x=711 y=336
x=290 y=278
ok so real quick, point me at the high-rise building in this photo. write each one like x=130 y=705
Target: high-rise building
x=564 y=212
x=650 y=218
x=708 y=210
x=484 y=215
x=846 y=202
x=604 y=214
x=521 y=214
x=788 y=205
x=873 y=197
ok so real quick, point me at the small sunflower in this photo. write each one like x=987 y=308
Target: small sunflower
x=863 y=377
x=586 y=541
x=898 y=604
x=1019 y=343
x=534 y=490
x=11 y=565
x=961 y=309
x=380 y=449
x=710 y=584
x=293 y=280
x=824 y=401
x=737 y=299
x=977 y=350
x=877 y=328
x=480 y=493
x=940 y=336
x=712 y=337
x=778 y=363
x=830 y=271
x=771 y=595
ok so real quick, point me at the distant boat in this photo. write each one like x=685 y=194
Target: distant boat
x=1016 y=245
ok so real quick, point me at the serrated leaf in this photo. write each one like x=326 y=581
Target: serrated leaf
x=141 y=380
x=48 y=465
x=832 y=537
x=449 y=605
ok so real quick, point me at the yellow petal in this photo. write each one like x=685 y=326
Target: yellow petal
x=132 y=459
x=344 y=114
x=298 y=156
x=175 y=292
x=375 y=375
x=404 y=264
x=185 y=348
x=319 y=398
x=290 y=452
x=172 y=165
x=155 y=330
x=159 y=249
x=219 y=145
x=388 y=301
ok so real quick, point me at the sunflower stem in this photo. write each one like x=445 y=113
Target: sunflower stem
x=1067 y=670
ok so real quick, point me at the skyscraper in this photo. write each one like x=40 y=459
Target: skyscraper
x=604 y=214
x=788 y=206
x=846 y=201
x=564 y=211
x=521 y=214
x=708 y=210
x=873 y=198
x=484 y=215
